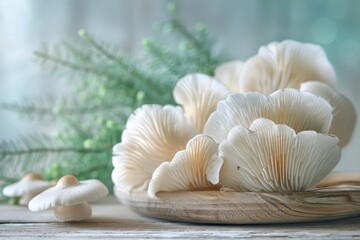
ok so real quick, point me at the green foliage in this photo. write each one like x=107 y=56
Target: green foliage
x=105 y=86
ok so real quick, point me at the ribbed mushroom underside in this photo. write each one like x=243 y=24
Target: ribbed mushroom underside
x=270 y=157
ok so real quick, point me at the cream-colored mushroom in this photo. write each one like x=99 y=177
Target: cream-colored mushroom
x=299 y=110
x=286 y=64
x=69 y=198
x=153 y=135
x=291 y=64
x=199 y=95
x=344 y=113
x=229 y=74
x=270 y=157
x=195 y=168
x=28 y=187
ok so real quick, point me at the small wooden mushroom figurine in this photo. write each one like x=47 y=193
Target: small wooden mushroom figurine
x=29 y=186
x=69 y=198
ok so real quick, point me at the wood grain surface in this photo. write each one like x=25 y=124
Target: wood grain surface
x=111 y=220
x=246 y=207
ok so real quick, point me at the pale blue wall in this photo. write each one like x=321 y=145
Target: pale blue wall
x=240 y=27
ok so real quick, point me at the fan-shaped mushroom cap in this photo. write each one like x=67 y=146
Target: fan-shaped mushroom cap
x=229 y=74
x=153 y=135
x=299 y=110
x=29 y=186
x=196 y=167
x=285 y=64
x=269 y=157
x=344 y=114
x=199 y=95
x=69 y=191
x=31 y=182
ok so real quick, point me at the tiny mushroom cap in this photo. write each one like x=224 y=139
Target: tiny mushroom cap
x=69 y=198
x=28 y=187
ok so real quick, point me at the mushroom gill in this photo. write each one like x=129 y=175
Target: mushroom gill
x=292 y=64
x=286 y=64
x=153 y=135
x=299 y=110
x=274 y=158
x=199 y=95
x=195 y=168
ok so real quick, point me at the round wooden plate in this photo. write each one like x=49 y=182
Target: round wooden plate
x=246 y=207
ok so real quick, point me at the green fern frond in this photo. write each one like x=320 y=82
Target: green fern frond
x=50 y=108
x=51 y=156
x=105 y=86
x=35 y=148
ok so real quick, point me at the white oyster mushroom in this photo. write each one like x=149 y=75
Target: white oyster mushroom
x=274 y=158
x=286 y=64
x=344 y=113
x=153 y=135
x=69 y=198
x=291 y=64
x=28 y=187
x=229 y=74
x=199 y=95
x=299 y=110
x=195 y=168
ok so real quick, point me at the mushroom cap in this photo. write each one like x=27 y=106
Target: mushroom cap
x=152 y=136
x=344 y=113
x=273 y=157
x=69 y=191
x=199 y=95
x=299 y=110
x=286 y=64
x=73 y=213
x=196 y=167
x=229 y=74
x=31 y=182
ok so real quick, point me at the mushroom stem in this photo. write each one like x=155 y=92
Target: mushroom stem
x=25 y=199
x=76 y=212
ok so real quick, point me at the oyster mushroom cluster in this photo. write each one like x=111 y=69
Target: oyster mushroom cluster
x=275 y=122
x=68 y=197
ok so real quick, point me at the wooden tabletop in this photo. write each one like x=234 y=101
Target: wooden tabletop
x=113 y=220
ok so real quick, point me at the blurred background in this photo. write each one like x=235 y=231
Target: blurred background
x=239 y=27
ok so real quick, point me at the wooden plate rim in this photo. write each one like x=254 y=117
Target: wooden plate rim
x=246 y=207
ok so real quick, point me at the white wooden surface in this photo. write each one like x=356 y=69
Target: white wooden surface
x=112 y=220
